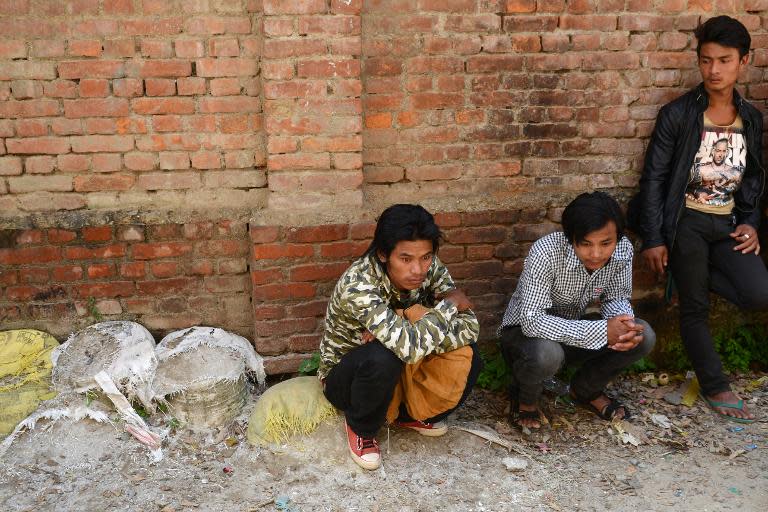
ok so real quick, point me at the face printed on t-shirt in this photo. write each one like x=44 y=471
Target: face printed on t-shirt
x=718 y=166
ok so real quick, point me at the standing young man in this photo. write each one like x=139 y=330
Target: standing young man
x=566 y=271
x=698 y=208
x=394 y=308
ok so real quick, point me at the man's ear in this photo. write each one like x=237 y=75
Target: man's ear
x=382 y=257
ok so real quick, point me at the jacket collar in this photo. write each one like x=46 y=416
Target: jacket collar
x=702 y=98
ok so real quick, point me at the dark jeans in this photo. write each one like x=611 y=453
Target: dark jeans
x=362 y=384
x=534 y=360
x=703 y=259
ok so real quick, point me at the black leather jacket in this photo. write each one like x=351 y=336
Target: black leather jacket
x=668 y=159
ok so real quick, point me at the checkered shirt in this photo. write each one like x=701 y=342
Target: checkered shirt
x=555 y=289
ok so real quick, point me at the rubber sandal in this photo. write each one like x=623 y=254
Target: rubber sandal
x=609 y=411
x=515 y=414
x=725 y=405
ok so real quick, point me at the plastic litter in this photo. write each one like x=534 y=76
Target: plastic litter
x=124 y=350
x=661 y=420
x=514 y=463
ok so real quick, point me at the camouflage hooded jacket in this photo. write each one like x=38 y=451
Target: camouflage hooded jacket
x=365 y=299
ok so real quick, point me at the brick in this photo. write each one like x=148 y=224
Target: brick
x=121 y=47
x=38 y=145
x=269 y=292
x=10 y=166
x=100 y=270
x=222 y=67
x=174 y=160
x=168 y=181
x=152 y=26
x=29 y=108
x=312 y=234
x=230 y=104
x=318 y=272
x=85 y=48
x=31 y=128
x=156 y=49
x=93 y=88
x=167 y=286
x=149 y=106
x=160 y=87
x=277 y=7
x=282 y=327
x=206 y=160
x=96 y=107
x=278 y=251
x=13 y=49
x=160 y=68
x=162 y=269
x=225 y=86
x=268 y=312
x=263 y=234
x=189 y=48
x=34 y=275
x=26 y=89
x=110 y=289
x=328 y=68
x=118 y=7
x=283 y=49
x=102 y=143
x=39 y=164
x=95 y=253
x=223 y=47
x=128 y=87
x=29 y=237
x=137 y=161
x=148 y=251
x=294 y=161
x=226 y=284
x=133 y=270
x=105 y=182
x=91 y=69
x=67 y=273
x=189 y=86
x=60 y=236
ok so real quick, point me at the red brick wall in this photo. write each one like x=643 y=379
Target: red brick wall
x=121 y=103
x=303 y=119
x=166 y=276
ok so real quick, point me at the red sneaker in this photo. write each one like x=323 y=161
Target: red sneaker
x=365 y=450
x=435 y=429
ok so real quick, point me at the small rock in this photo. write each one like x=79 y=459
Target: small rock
x=514 y=463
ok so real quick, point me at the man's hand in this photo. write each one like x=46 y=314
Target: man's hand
x=623 y=333
x=747 y=235
x=656 y=258
x=367 y=337
x=459 y=299
x=415 y=312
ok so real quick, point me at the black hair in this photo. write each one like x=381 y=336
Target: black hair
x=590 y=212
x=404 y=222
x=724 y=31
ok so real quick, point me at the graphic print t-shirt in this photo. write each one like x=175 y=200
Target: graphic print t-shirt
x=717 y=168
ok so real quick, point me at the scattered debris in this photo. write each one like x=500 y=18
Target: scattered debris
x=514 y=463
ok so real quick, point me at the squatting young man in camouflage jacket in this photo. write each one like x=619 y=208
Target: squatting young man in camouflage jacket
x=395 y=305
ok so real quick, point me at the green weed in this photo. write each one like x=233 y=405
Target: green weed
x=310 y=366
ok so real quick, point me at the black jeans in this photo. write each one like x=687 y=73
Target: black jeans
x=534 y=360
x=362 y=384
x=701 y=260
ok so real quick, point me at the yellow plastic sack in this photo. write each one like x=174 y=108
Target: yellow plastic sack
x=294 y=406
x=25 y=374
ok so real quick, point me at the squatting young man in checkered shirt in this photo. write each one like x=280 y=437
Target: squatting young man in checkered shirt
x=566 y=271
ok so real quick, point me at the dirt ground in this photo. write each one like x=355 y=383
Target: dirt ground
x=577 y=462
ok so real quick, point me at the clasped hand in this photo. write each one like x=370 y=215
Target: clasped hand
x=624 y=333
